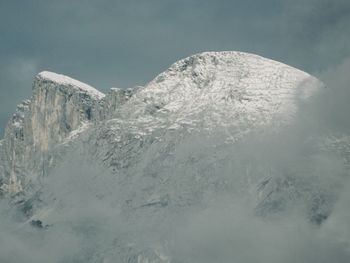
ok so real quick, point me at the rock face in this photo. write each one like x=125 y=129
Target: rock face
x=62 y=103
x=198 y=132
x=59 y=105
x=15 y=148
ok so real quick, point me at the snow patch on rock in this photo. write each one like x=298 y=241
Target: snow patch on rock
x=67 y=81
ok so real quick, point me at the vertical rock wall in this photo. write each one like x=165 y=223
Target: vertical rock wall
x=59 y=105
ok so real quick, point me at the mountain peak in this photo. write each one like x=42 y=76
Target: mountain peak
x=236 y=86
x=217 y=57
x=69 y=82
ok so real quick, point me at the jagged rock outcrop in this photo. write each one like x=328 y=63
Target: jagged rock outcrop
x=110 y=105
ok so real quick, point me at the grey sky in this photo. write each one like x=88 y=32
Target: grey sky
x=125 y=43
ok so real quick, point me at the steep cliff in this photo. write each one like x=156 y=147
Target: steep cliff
x=59 y=105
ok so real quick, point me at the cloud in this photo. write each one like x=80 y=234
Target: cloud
x=335 y=105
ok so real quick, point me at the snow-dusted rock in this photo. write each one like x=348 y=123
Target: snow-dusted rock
x=59 y=106
x=229 y=88
x=226 y=93
x=63 y=80
x=110 y=105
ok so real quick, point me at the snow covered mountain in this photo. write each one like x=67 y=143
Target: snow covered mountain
x=226 y=89
x=121 y=170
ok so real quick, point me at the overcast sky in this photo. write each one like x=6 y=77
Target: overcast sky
x=125 y=43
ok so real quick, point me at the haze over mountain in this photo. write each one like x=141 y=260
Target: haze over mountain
x=226 y=156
